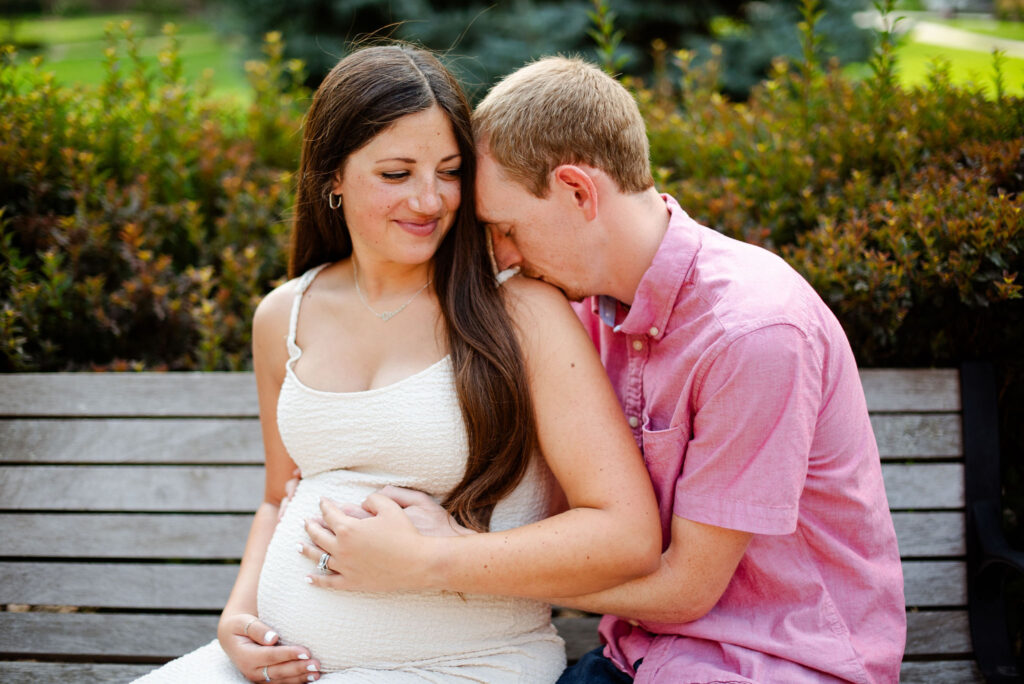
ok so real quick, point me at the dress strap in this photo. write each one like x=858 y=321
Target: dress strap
x=304 y=280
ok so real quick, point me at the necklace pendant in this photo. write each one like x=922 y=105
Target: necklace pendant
x=387 y=315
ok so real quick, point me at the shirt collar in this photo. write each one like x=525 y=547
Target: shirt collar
x=659 y=287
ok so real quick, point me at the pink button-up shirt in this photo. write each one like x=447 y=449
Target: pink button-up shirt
x=744 y=395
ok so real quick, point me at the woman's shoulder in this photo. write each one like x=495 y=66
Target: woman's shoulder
x=537 y=308
x=275 y=307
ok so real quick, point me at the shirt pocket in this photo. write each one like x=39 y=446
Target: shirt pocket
x=664 y=452
x=662 y=445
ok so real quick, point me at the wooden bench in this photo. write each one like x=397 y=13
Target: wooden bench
x=125 y=501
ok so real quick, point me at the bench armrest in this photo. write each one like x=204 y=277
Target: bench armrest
x=994 y=549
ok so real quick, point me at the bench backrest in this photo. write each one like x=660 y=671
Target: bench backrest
x=125 y=502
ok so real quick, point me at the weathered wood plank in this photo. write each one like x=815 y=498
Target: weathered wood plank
x=930 y=534
x=893 y=390
x=114 y=585
x=941 y=672
x=131 y=488
x=21 y=672
x=234 y=394
x=938 y=633
x=200 y=537
x=932 y=584
x=112 y=636
x=128 y=394
x=931 y=634
x=918 y=436
x=130 y=440
x=579 y=633
x=924 y=486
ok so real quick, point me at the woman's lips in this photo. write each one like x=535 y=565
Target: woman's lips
x=418 y=228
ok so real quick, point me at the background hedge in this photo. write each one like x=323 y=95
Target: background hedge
x=140 y=221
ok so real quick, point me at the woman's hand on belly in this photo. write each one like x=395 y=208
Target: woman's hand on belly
x=383 y=551
x=255 y=650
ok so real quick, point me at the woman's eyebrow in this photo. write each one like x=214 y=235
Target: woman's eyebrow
x=408 y=160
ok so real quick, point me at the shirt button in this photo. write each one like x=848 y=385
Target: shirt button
x=638 y=345
x=633 y=421
x=653 y=332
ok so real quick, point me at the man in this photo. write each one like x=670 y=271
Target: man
x=780 y=561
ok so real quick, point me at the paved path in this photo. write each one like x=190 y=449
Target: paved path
x=947 y=36
x=932 y=33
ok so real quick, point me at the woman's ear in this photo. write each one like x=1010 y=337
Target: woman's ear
x=336 y=183
x=576 y=182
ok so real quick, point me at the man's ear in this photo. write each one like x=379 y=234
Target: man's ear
x=578 y=184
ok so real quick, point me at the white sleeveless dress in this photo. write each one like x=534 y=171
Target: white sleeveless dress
x=410 y=434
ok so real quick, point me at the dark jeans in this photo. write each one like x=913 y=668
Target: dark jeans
x=594 y=668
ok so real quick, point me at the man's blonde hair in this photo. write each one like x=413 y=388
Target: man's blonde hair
x=561 y=110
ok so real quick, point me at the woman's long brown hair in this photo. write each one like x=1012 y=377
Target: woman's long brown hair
x=364 y=94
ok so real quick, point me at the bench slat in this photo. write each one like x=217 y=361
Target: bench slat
x=930 y=534
x=110 y=585
x=948 y=672
x=929 y=634
x=233 y=440
x=131 y=488
x=135 y=440
x=934 y=584
x=932 y=435
x=924 y=486
x=938 y=633
x=128 y=394
x=238 y=488
x=891 y=390
x=200 y=537
x=15 y=672
x=112 y=636
x=234 y=394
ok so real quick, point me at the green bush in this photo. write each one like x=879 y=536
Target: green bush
x=141 y=221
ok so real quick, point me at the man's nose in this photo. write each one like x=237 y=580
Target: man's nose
x=505 y=253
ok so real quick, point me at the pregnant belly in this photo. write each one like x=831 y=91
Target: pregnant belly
x=349 y=629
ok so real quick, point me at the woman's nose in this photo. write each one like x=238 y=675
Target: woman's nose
x=427 y=199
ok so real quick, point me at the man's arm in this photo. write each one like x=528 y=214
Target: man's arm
x=694 y=572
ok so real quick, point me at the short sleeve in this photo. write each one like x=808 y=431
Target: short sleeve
x=754 y=416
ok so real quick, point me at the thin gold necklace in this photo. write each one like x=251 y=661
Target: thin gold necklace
x=383 y=315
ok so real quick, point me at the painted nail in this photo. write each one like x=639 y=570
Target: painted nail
x=303 y=656
x=298 y=547
x=309 y=580
x=310 y=678
x=311 y=667
x=269 y=637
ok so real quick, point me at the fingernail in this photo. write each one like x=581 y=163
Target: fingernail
x=298 y=547
x=310 y=678
x=269 y=637
x=309 y=580
x=303 y=656
x=311 y=667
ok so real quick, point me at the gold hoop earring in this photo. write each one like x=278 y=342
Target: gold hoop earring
x=330 y=201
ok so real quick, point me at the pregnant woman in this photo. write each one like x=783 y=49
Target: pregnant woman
x=397 y=357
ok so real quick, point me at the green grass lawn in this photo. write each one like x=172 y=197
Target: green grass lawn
x=966 y=66
x=73 y=49
x=1012 y=30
